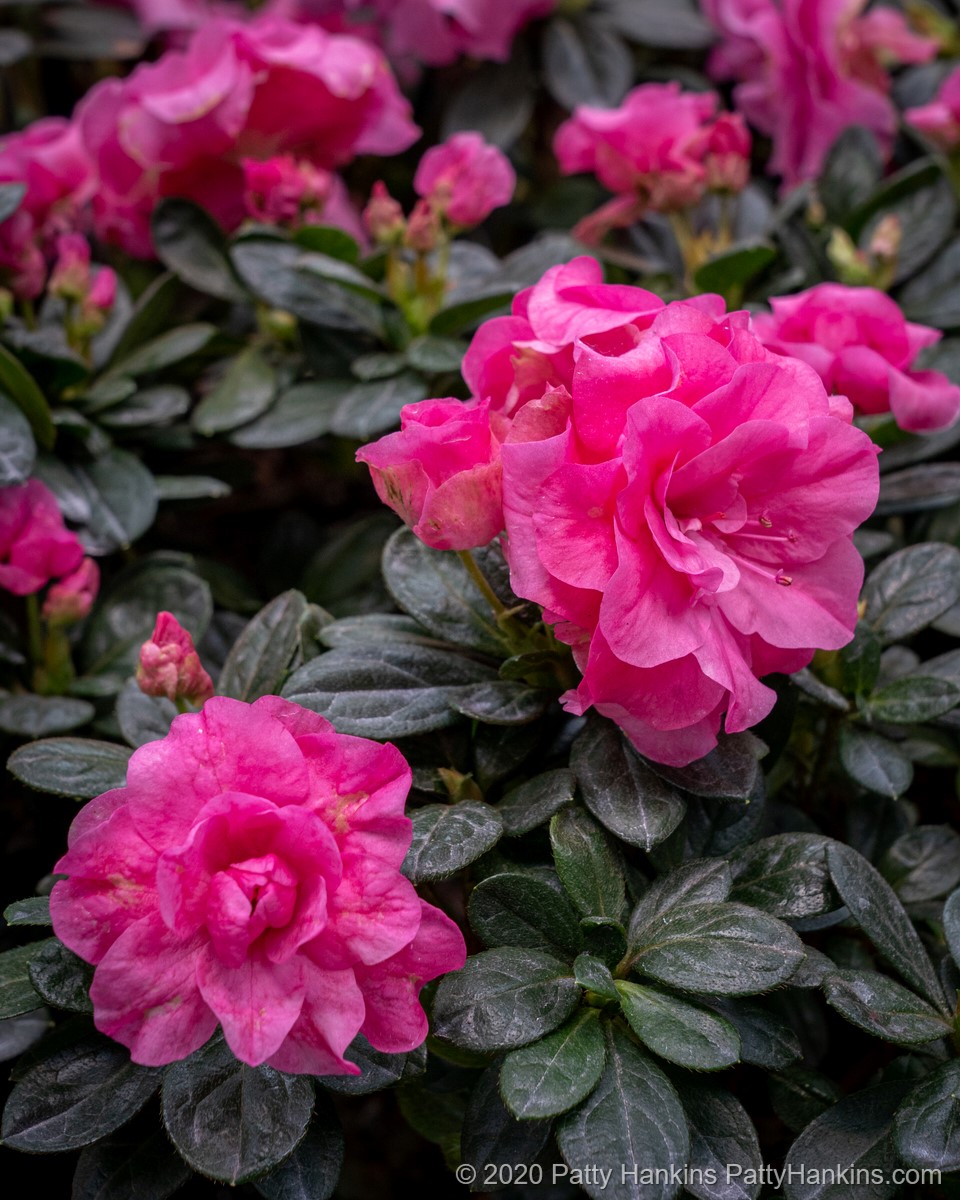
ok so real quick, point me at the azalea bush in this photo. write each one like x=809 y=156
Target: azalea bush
x=479 y=589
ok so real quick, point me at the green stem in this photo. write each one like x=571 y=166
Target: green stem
x=478 y=577
x=34 y=631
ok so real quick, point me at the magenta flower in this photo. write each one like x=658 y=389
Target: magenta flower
x=441 y=473
x=861 y=346
x=677 y=499
x=50 y=160
x=71 y=598
x=465 y=179
x=248 y=875
x=170 y=666
x=183 y=125
x=35 y=546
x=809 y=69
x=940 y=119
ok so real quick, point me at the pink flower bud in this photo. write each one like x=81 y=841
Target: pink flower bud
x=70 y=279
x=465 y=179
x=727 y=157
x=441 y=473
x=70 y=599
x=170 y=666
x=383 y=216
x=103 y=291
x=423 y=228
x=284 y=190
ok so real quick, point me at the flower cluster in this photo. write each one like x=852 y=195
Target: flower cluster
x=184 y=125
x=35 y=545
x=50 y=162
x=677 y=499
x=660 y=150
x=248 y=875
x=808 y=69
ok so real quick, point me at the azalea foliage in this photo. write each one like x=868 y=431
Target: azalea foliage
x=479 y=590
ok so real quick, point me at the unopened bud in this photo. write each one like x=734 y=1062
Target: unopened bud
x=70 y=599
x=170 y=666
x=383 y=217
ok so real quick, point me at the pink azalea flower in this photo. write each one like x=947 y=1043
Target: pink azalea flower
x=677 y=499
x=940 y=119
x=170 y=666
x=49 y=159
x=441 y=473
x=35 y=546
x=71 y=598
x=465 y=179
x=248 y=875
x=861 y=346
x=809 y=69
x=183 y=125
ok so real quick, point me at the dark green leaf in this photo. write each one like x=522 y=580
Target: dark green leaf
x=17 y=447
x=923 y=202
x=666 y=24
x=593 y=975
x=18 y=1034
x=702 y=881
x=38 y=716
x=860 y=661
x=497 y=100
x=435 y=588
x=166 y=350
x=125 y=1167
x=328 y=240
x=501 y=702
x=556 y=1073
x=312 y=1170
x=919 y=489
x=368 y=409
x=190 y=487
x=388 y=692
x=122 y=500
x=588 y=863
x=726 y=273
x=633 y=1117
x=230 y=1121
x=800 y=1095
x=585 y=62
x=927 y=1124
x=534 y=802
x=728 y=949
x=912 y=700
x=766 y=1040
x=378 y=1070
x=621 y=791
x=491 y=1136
x=875 y=762
x=35 y=910
x=126 y=614
x=11 y=197
x=883 y=1008
x=874 y=906
x=504 y=998
x=20 y=386
x=81 y=767
x=911 y=588
x=143 y=718
x=855 y=1133
x=923 y=863
x=447 y=838
x=681 y=1032
x=434 y=355
x=302 y=413
x=951 y=924
x=468 y=310
x=852 y=171
x=730 y=771
x=61 y=978
x=785 y=875
x=151 y=407
x=725 y=1161
x=514 y=909
x=17 y=993
x=76 y=1095
x=261 y=656
x=191 y=244
x=282 y=274
x=245 y=392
